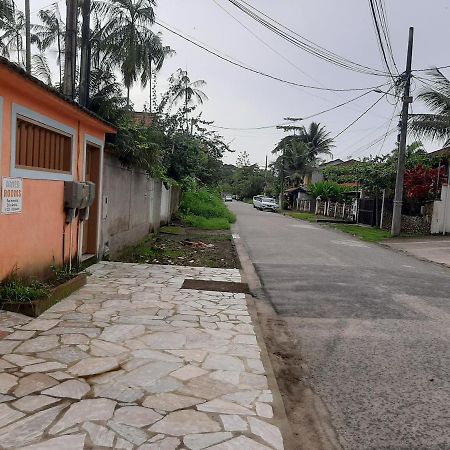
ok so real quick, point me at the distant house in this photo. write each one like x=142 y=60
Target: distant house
x=316 y=175
x=143 y=118
x=46 y=140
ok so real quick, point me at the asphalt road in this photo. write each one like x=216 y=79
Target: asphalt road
x=373 y=326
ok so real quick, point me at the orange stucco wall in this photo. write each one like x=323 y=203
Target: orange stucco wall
x=33 y=239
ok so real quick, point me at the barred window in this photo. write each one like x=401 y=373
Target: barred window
x=42 y=148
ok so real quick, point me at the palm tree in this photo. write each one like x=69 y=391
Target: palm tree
x=317 y=139
x=434 y=125
x=156 y=54
x=51 y=31
x=12 y=26
x=127 y=34
x=187 y=91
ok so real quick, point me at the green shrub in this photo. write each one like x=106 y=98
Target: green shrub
x=15 y=290
x=204 y=208
x=211 y=223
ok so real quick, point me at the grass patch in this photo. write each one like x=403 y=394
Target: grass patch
x=310 y=217
x=369 y=234
x=205 y=223
x=15 y=290
x=205 y=209
x=171 y=230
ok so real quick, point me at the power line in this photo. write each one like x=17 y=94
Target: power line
x=250 y=69
x=359 y=117
x=431 y=69
x=300 y=41
x=303 y=118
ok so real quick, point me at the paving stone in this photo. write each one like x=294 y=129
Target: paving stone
x=180 y=423
x=99 y=434
x=240 y=443
x=187 y=372
x=33 y=383
x=168 y=443
x=38 y=344
x=8 y=415
x=69 y=389
x=67 y=354
x=223 y=362
x=74 y=339
x=60 y=376
x=40 y=325
x=200 y=441
x=20 y=335
x=43 y=367
x=85 y=410
x=28 y=429
x=136 y=416
x=205 y=387
x=5 y=398
x=246 y=398
x=6 y=365
x=164 y=340
x=264 y=410
x=71 y=442
x=32 y=403
x=253 y=380
x=227 y=376
x=224 y=407
x=119 y=333
x=129 y=433
x=255 y=365
x=190 y=355
x=119 y=392
x=123 y=444
x=170 y=402
x=22 y=360
x=94 y=366
x=104 y=348
x=8 y=346
x=154 y=355
x=270 y=433
x=233 y=422
x=7 y=381
x=91 y=332
x=146 y=375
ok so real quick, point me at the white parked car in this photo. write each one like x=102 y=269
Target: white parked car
x=228 y=198
x=265 y=203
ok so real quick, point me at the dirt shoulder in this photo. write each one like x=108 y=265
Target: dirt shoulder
x=184 y=246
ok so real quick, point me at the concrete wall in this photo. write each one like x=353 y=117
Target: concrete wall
x=133 y=205
x=440 y=222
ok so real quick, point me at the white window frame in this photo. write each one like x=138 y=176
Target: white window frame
x=46 y=122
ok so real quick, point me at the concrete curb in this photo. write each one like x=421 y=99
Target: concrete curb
x=249 y=275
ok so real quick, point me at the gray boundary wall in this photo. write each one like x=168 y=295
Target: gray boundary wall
x=133 y=205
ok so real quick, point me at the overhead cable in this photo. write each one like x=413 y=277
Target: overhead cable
x=250 y=69
x=302 y=42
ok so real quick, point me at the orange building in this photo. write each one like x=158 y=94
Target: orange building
x=46 y=140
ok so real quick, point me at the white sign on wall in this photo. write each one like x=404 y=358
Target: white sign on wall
x=12 y=193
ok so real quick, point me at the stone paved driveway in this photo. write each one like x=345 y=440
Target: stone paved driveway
x=130 y=361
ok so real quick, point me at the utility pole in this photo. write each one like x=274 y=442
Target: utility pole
x=85 y=64
x=282 y=177
x=27 y=37
x=265 y=178
x=70 y=59
x=398 y=199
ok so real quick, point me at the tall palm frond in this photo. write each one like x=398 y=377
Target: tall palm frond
x=12 y=29
x=127 y=31
x=435 y=125
x=40 y=68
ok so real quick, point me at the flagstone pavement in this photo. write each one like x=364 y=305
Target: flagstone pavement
x=131 y=361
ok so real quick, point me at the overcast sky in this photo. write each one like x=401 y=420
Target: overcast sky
x=240 y=99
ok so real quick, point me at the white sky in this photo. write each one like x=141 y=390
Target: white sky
x=241 y=99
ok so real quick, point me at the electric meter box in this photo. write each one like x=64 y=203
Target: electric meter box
x=91 y=193
x=73 y=194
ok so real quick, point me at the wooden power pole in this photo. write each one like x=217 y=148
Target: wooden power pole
x=398 y=199
x=70 y=61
